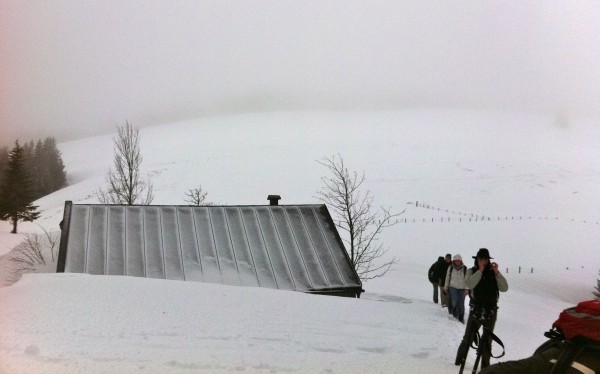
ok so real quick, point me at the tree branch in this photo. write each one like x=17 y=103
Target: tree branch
x=359 y=224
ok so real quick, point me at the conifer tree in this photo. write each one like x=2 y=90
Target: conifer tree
x=32 y=167
x=37 y=169
x=16 y=196
x=58 y=174
x=51 y=168
x=45 y=167
x=3 y=161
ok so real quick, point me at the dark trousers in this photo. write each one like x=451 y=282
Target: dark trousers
x=443 y=295
x=435 y=291
x=476 y=320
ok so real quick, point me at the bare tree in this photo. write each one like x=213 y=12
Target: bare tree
x=196 y=196
x=35 y=251
x=125 y=186
x=354 y=215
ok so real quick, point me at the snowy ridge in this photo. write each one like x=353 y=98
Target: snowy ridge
x=493 y=163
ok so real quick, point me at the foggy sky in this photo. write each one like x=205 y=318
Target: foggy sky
x=73 y=68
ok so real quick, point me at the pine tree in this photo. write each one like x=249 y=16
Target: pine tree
x=31 y=165
x=45 y=167
x=37 y=170
x=16 y=196
x=3 y=161
x=55 y=177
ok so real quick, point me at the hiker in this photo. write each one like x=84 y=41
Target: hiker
x=443 y=270
x=456 y=285
x=437 y=272
x=573 y=347
x=431 y=275
x=485 y=282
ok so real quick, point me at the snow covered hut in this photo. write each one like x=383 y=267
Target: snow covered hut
x=289 y=247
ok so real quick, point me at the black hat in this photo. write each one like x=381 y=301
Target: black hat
x=483 y=253
x=448 y=255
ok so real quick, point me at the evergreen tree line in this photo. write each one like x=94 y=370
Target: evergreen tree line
x=42 y=162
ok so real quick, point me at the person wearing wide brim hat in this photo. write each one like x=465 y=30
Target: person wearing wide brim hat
x=485 y=282
x=483 y=253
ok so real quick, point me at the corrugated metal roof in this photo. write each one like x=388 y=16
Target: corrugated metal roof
x=289 y=247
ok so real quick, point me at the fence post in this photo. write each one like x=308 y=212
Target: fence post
x=519 y=270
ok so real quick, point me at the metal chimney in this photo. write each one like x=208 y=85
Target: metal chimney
x=273 y=199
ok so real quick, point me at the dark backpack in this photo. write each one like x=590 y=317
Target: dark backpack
x=431 y=273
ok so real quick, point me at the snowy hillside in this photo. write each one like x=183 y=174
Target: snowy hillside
x=524 y=186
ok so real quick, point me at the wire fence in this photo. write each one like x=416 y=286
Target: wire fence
x=460 y=216
x=529 y=270
x=519 y=270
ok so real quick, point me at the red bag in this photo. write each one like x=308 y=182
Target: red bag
x=591 y=307
x=582 y=320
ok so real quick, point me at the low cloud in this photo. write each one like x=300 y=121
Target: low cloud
x=73 y=69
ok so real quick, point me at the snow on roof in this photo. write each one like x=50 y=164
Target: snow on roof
x=289 y=247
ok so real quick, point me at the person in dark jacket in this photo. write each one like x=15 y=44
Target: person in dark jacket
x=485 y=282
x=431 y=274
x=437 y=275
x=443 y=271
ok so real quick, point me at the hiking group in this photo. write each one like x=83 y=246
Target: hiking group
x=448 y=275
x=483 y=284
x=574 y=340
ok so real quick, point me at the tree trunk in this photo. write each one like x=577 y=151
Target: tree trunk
x=14 y=222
